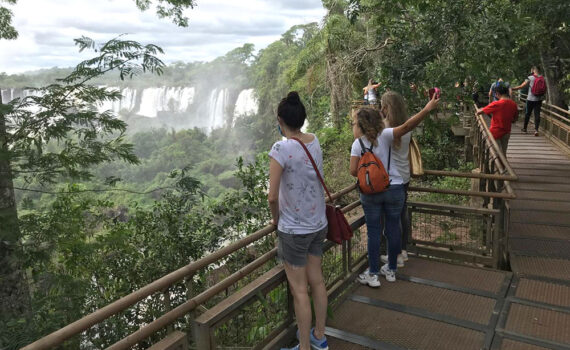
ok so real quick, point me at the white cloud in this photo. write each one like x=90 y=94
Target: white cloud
x=47 y=28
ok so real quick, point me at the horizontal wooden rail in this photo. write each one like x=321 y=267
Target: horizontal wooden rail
x=191 y=304
x=464 y=192
x=470 y=175
x=494 y=149
x=453 y=208
x=58 y=337
x=161 y=284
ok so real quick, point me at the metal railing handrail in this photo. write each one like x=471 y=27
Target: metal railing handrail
x=556 y=124
x=494 y=149
x=86 y=322
x=566 y=118
x=161 y=284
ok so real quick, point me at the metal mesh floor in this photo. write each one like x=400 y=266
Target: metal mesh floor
x=468 y=277
x=541 y=266
x=545 y=231
x=541 y=247
x=509 y=344
x=537 y=322
x=545 y=218
x=404 y=330
x=438 y=300
x=544 y=292
x=338 y=344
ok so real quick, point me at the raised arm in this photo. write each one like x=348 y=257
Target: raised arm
x=414 y=121
x=520 y=86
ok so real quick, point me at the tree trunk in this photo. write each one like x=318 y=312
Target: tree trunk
x=14 y=293
x=553 y=73
x=332 y=80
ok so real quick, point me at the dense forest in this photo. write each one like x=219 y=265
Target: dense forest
x=90 y=211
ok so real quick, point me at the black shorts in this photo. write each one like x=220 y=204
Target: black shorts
x=294 y=248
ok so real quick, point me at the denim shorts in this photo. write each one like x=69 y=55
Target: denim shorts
x=294 y=248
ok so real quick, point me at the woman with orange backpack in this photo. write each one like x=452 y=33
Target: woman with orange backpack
x=372 y=137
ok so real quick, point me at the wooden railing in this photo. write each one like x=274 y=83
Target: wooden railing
x=555 y=123
x=227 y=311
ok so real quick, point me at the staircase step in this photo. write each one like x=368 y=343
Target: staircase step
x=467 y=277
x=539 y=323
x=554 y=248
x=447 y=302
x=543 y=218
x=543 y=292
x=541 y=231
x=544 y=205
x=509 y=344
x=404 y=330
x=526 y=266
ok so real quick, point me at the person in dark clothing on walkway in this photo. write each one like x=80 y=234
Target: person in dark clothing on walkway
x=493 y=90
x=504 y=112
x=533 y=100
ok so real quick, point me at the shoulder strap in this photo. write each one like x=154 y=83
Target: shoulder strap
x=370 y=149
x=363 y=148
x=389 y=158
x=314 y=166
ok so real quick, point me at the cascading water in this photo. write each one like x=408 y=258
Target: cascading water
x=216 y=106
x=10 y=94
x=178 y=107
x=246 y=104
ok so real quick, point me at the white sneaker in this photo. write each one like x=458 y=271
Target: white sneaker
x=370 y=280
x=390 y=274
x=399 y=261
x=404 y=255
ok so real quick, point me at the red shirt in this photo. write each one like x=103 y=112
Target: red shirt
x=504 y=112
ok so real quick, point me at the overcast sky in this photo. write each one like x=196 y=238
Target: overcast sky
x=47 y=28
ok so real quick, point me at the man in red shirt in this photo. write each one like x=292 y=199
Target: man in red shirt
x=504 y=111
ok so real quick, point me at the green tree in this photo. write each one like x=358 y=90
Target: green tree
x=63 y=114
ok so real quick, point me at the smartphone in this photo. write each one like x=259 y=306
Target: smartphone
x=436 y=91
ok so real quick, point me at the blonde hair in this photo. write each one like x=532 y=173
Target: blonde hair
x=370 y=122
x=395 y=109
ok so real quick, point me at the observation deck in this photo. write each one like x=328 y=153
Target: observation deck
x=494 y=274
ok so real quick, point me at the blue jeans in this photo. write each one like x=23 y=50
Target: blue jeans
x=389 y=205
x=405 y=219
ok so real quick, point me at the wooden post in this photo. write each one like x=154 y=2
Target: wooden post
x=188 y=281
x=497 y=239
x=345 y=253
x=203 y=337
x=349 y=256
x=167 y=307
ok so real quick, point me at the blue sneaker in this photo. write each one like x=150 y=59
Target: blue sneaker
x=293 y=348
x=318 y=344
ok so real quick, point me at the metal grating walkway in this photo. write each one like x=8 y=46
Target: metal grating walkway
x=436 y=305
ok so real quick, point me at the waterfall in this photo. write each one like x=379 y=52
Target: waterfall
x=12 y=93
x=216 y=108
x=246 y=104
x=178 y=107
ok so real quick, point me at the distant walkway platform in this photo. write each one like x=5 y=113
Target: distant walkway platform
x=437 y=305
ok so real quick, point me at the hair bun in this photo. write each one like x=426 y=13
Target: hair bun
x=293 y=97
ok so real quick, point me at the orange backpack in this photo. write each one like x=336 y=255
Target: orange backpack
x=371 y=174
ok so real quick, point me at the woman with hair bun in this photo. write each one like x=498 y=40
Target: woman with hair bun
x=369 y=128
x=296 y=199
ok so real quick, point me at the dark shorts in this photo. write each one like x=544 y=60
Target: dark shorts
x=293 y=248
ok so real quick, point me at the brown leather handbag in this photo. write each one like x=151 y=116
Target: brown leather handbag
x=338 y=228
